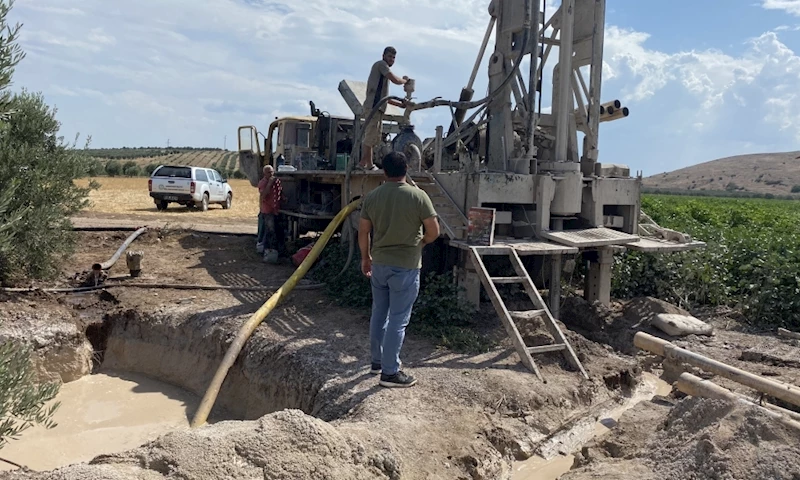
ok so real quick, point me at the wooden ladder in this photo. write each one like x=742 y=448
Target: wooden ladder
x=490 y=284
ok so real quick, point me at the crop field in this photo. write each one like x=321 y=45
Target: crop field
x=221 y=160
x=751 y=262
x=129 y=196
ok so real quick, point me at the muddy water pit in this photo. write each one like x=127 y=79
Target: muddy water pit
x=102 y=413
x=303 y=379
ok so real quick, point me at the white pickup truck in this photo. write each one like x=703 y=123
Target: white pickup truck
x=190 y=186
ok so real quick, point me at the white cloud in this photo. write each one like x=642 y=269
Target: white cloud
x=791 y=6
x=136 y=73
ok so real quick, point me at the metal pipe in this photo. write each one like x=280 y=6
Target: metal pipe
x=533 y=81
x=481 y=53
x=563 y=109
x=204 y=409
x=697 y=387
x=787 y=393
x=595 y=83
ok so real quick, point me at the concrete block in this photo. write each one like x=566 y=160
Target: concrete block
x=681 y=325
x=612 y=170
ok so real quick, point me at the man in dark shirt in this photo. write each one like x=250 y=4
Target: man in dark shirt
x=378 y=88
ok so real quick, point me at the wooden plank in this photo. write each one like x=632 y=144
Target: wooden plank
x=508 y=279
x=549 y=322
x=505 y=317
x=556 y=347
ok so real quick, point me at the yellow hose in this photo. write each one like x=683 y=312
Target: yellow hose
x=249 y=327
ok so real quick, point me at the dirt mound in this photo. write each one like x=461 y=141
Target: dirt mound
x=697 y=439
x=287 y=444
x=615 y=325
x=705 y=438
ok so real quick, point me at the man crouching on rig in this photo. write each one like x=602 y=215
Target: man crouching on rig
x=395 y=213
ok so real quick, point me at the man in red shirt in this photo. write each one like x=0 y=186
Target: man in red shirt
x=270 y=193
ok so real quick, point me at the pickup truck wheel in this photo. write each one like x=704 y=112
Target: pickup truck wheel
x=161 y=204
x=227 y=203
x=204 y=203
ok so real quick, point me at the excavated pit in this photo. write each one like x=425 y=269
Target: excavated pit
x=497 y=414
x=299 y=401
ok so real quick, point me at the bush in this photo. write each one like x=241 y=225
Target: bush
x=131 y=169
x=113 y=168
x=37 y=172
x=751 y=261
x=439 y=312
x=151 y=168
x=796 y=189
x=22 y=398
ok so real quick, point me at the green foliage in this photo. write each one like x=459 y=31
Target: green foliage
x=41 y=170
x=796 y=189
x=131 y=169
x=113 y=168
x=22 y=399
x=133 y=153
x=439 y=313
x=751 y=262
x=149 y=169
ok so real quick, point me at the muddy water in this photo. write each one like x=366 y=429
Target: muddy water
x=102 y=413
x=538 y=468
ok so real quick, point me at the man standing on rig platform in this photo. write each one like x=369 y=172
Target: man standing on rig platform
x=378 y=88
x=395 y=213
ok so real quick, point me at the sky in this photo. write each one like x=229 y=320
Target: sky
x=710 y=80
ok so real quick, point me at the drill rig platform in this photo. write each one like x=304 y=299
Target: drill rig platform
x=538 y=171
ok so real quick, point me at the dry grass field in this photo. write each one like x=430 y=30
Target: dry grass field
x=120 y=197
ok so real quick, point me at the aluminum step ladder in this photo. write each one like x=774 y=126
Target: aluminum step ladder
x=490 y=284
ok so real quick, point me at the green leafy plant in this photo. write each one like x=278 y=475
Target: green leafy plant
x=440 y=313
x=751 y=262
x=22 y=399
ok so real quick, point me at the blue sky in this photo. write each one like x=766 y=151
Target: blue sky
x=703 y=80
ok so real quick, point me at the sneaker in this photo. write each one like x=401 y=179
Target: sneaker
x=398 y=380
x=376 y=368
x=374 y=168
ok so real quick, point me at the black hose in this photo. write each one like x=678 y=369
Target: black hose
x=174 y=286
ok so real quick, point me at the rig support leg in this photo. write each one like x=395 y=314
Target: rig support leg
x=598 y=279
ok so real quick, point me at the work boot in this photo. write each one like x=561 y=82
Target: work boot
x=398 y=380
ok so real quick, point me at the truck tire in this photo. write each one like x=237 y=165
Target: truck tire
x=227 y=203
x=161 y=205
x=203 y=206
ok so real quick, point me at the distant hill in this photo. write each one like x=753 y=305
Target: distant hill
x=765 y=173
x=222 y=160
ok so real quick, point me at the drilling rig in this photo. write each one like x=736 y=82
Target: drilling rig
x=539 y=174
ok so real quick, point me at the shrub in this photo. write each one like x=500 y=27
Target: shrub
x=131 y=169
x=751 y=261
x=22 y=398
x=151 y=168
x=113 y=168
x=37 y=172
x=796 y=189
x=439 y=312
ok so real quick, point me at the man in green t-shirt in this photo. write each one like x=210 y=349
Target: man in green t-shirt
x=394 y=213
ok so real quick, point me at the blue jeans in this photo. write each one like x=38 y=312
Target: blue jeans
x=394 y=291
